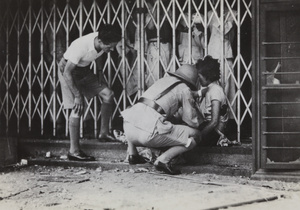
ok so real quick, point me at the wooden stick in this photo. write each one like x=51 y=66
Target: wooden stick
x=247 y=202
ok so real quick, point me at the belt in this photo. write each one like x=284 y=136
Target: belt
x=152 y=104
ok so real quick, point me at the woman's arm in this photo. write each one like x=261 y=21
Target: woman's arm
x=215 y=114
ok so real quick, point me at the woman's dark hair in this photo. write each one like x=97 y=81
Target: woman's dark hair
x=209 y=68
x=109 y=33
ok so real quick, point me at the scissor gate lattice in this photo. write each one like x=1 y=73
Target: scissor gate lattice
x=35 y=33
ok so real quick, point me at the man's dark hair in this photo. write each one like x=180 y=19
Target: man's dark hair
x=109 y=33
x=209 y=68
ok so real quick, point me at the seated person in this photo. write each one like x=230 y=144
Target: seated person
x=213 y=104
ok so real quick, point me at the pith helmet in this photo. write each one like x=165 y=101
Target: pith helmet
x=187 y=73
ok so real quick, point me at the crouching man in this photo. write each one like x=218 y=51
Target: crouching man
x=147 y=122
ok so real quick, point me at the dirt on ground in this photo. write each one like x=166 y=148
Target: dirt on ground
x=41 y=187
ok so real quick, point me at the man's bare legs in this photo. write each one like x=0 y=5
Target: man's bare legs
x=107 y=96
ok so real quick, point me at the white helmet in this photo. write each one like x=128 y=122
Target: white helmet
x=187 y=73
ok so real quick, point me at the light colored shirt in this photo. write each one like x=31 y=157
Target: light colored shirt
x=214 y=92
x=215 y=41
x=196 y=39
x=82 y=51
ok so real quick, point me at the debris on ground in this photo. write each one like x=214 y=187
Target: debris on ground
x=135 y=188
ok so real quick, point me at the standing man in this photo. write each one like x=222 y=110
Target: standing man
x=78 y=80
x=147 y=123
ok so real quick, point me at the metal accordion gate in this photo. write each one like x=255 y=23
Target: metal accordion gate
x=35 y=33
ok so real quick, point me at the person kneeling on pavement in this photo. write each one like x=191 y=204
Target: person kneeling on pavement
x=146 y=123
x=212 y=104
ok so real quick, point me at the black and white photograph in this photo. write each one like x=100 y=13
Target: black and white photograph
x=149 y=104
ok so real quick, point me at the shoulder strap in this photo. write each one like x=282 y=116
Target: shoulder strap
x=153 y=104
x=167 y=90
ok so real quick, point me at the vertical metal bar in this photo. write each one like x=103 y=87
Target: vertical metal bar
x=109 y=55
x=54 y=66
x=256 y=136
x=18 y=67
x=42 y=66
x=158 y=38
x=80 y=18
x=123 y=53
x=30 y=66
x=94 y=16
x=67 y=44
x=174 y=36
x=80 y=34
x=190 y=31
x=7 y=67
x=238 y=71
x=68 y=23
x=262 y=94
x=205 y=28
x=222 y=41
x=95 y=71
x=141 y=48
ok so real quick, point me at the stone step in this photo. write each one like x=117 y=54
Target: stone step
x=235 y=160
x=39 y=148
x=234 y=155
x=121 y=166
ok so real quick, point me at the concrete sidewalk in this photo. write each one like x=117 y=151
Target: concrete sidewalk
x=64 y=188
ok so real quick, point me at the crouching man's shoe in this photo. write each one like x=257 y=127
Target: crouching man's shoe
x=166 y=167
x=81 y=156
x=106 y=137
x=136 y=159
